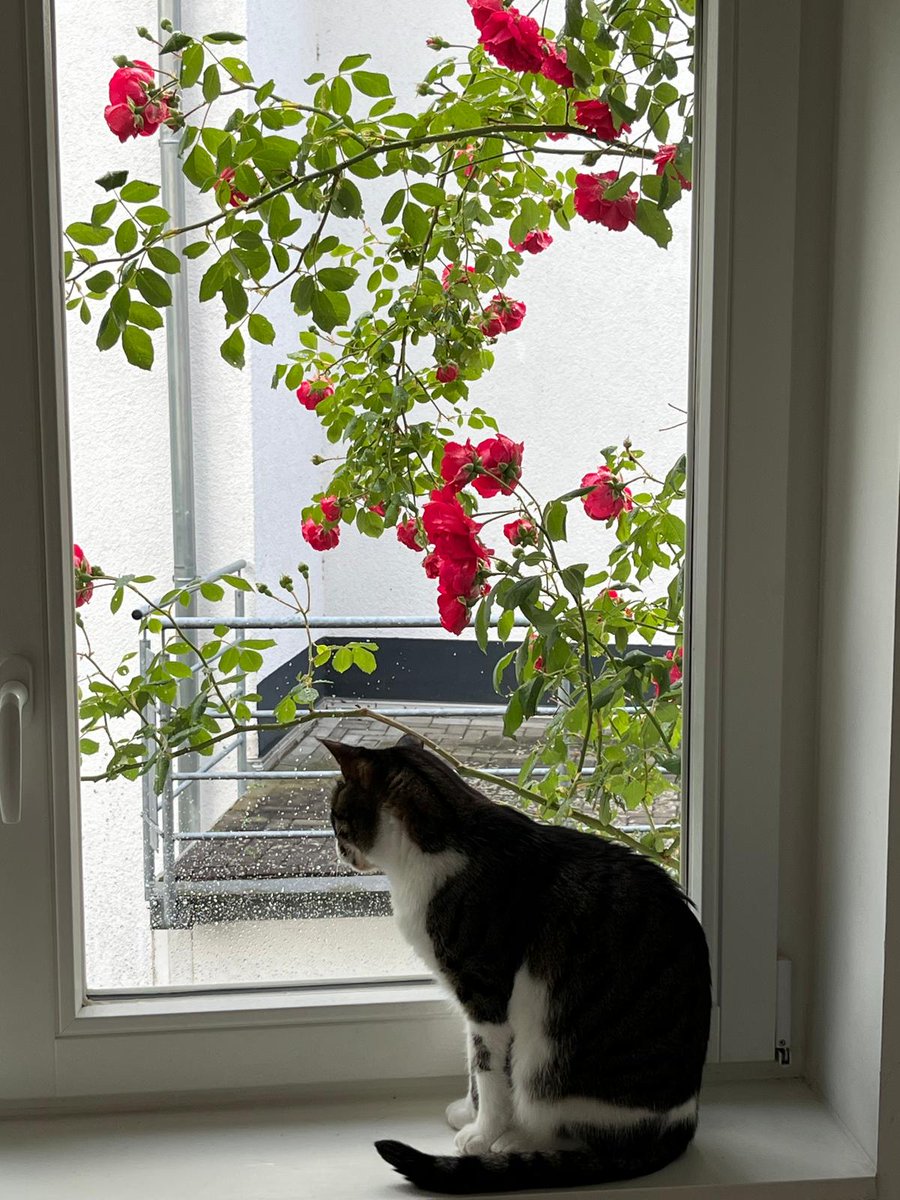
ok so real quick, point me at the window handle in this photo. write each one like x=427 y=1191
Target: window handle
x=15 y=710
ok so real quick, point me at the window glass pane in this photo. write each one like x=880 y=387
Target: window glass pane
x=191 y=466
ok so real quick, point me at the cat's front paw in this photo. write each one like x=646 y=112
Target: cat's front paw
x=476 y=1138
x=461 y=1112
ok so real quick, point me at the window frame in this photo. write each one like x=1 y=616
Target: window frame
x=62 y=1044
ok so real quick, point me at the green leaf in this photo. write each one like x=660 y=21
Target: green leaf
x=364 y=659
x=554 y=521
x=428 y=193
x=347 y=200
x=500 y=668
x=198 y=166
x=108 y=333
x=139 y=191
x=579 y=66
x=261 y=329
x=653 y=222
x=482 y=621
x=195 y=249
x=138 y=347
x=163 y=258
x=192 y=64
x=574 y=19
x=101 y=282
x=126 y=237
x=337 y=278
x=329 y=309
x=238 y=70
x=370 y=83
x=152 y=214
x=212 y=84
x=279 y=215
x=235 y=298
x=573 y=579
x=153 y=287
x=343 y=660
x=232 y=349
x=212 y=591
x=88 y=235
x=352 y=61
x=513 y=716
x=393 y=206
x=217 y=39
x=101 y=213
x=112 y=180
x=415 y=222
x=238 y=583
x=505 y=625
x=285 y=711
x=523 y=591
x=145 y=316
x=178 y=41
x=341 y=96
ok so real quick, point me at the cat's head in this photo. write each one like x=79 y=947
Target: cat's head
x=392 y=802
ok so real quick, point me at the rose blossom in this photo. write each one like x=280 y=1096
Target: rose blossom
x=378 y=509
x=502 y=315
x=557 y=137
x=452 y=274
x=83 y=590
x=318 y=536
x=554 y=66
x=446 y=373
x=501 y=458
x=129 y=114
x=513 y=40
x=459 y=464
x=311 y=394
x=675 y=657
x=331 y=508
x=521 y=532
x=408 y=535
x=453 y=612
x=590 y=204
x=469 y=153
x=609 y=496
x=597 y=117
x=483 y=10
x=664 y=156
x=235 y=198
x=459 y=555
x=432 y=565
x=533 y=243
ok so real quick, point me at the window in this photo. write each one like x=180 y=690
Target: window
x=734 y=678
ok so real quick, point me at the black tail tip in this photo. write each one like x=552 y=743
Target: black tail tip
x=401 y=1157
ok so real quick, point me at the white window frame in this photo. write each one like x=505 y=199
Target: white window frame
x=57 y=1044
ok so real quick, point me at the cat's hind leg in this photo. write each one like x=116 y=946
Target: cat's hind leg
x=489 y=1063
x=463 y=1112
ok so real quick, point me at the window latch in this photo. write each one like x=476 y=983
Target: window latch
x=15 y=713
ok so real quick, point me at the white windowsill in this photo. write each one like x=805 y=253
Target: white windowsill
x=756 y=1140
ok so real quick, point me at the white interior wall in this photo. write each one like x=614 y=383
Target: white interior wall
x=859 y=581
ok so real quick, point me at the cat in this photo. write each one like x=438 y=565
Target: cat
x=580 y=966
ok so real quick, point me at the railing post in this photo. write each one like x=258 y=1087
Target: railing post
x=169 y=885
x=149 y=805
x=240 y=691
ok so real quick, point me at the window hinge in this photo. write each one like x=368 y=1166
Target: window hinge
x=783 y=1012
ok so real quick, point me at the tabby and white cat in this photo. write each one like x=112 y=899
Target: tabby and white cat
x=580 y=967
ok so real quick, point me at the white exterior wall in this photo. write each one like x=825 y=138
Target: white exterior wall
x=601 y=355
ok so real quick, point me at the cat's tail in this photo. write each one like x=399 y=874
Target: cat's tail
x=449 y=1174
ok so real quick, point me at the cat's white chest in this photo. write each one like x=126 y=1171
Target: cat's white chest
x=412 y=890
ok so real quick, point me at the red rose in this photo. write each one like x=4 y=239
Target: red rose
x=483 y=10
x=311 y=394
x=318 y=536
x=521 y=532
x=377 y=508
x=459 y=464
x=557 y=137
x=453 y=274
x=130 y=83
x=128 y=113
x=590 y=204
x=331 y=508
x=446 y=373
x=408 y=534
x=469 y=153
x=609 y=497
x=513 y=40
x=666 y=155
x=235 y=197
x=432 y=565
x=84 y=587
x=501 y=458
x=461 y=553
x=453 y=612
x=597 y=117
x=539 y=661
x=675 y=657
x=535 y=241
x=502 y=316
x=553 y=66
x=611 y=595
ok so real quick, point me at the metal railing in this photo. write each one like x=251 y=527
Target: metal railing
x=172 y=819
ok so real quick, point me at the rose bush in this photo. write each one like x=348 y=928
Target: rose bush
x=399 y=313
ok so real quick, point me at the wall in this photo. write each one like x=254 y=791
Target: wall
x=583 y=372
x=859 y=580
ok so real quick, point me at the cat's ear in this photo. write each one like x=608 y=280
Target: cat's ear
x=410 y=742
x=357 y=763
